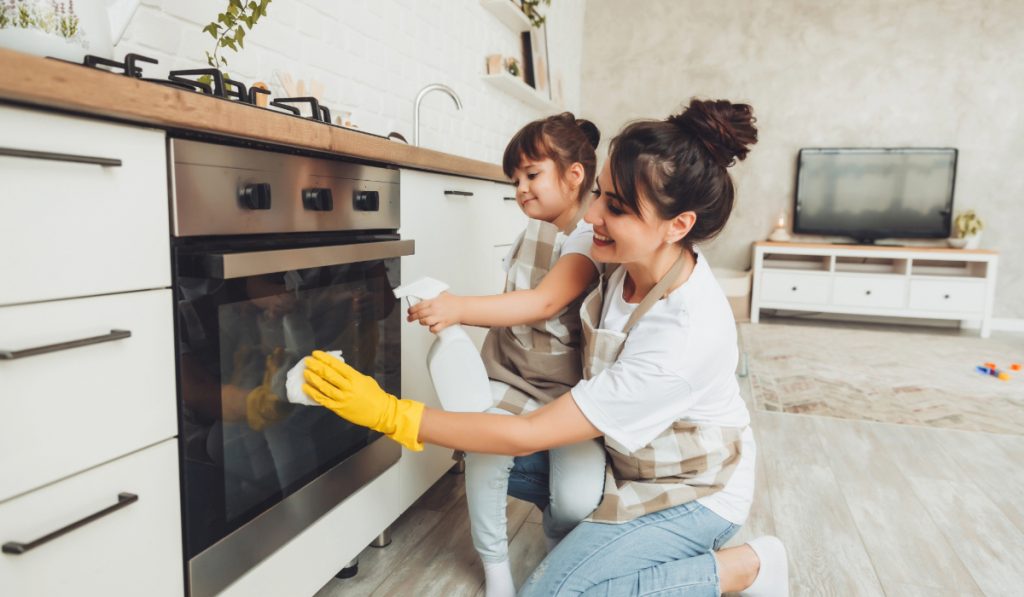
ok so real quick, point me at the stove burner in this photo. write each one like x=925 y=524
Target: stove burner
x=219 y=86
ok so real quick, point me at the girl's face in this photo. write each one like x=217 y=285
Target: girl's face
x=540 y=191
x=623 y=236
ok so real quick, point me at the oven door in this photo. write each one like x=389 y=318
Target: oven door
x=257 y=469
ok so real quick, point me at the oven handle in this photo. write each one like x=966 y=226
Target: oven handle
x=228 y=266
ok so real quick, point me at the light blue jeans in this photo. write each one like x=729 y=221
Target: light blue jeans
x=576 y=474
x=664 y=553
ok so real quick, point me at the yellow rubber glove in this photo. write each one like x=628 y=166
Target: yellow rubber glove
x=357 y=398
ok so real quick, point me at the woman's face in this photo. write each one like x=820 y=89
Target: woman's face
x=540 y=191
x=622 y=236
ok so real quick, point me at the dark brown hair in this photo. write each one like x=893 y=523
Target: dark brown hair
x=679 y=164
x=563 y=138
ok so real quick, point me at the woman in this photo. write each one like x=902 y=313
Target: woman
x=659 y=385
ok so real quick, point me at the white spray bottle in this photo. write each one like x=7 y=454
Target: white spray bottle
x=453 y=361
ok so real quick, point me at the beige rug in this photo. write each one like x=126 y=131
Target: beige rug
x=897 y=375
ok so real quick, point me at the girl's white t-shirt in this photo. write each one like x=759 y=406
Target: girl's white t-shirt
x=678 y=362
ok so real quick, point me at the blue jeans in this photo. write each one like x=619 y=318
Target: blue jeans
x=664 y=553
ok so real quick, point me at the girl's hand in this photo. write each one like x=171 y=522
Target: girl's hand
x=437 y=313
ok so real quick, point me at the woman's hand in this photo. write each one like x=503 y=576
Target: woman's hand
x=358 y=398
x=437 y=313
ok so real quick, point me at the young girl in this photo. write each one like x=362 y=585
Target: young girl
x=532 y=348
x=660 y=386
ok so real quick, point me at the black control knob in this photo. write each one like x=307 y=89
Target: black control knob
x=366 y=200
x=317 y=199
x=255 y=196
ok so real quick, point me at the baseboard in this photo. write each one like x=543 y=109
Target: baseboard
x=999 y=324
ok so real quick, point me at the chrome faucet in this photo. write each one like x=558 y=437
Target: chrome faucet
x=419 y=99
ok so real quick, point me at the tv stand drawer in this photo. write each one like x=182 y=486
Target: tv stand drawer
x=870 y=291
x=790 y=287
x=965 y=296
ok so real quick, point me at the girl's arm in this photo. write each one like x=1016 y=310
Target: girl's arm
x=558 y=423
x=572 y=274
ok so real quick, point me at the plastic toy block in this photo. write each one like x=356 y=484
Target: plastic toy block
x=984 y=370
x=990 y=365
x=1003 y=376
x=1015 y=366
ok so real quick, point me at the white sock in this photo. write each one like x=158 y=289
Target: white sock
x=498 y=579
x=773 y=577
x=551 y=543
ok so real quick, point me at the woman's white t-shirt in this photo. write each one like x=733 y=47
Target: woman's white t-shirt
x=678 y=362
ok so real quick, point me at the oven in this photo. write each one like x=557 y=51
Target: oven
x=275 y=254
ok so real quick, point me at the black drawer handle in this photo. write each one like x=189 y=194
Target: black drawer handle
x=509 y=198
x=793 y=289
x=17 y=548
x=867 y=292
x=10 y=355
x=459 y=193
x=58 y=157
x=945 y=296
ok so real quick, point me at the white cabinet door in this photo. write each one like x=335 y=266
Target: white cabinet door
x=131 y=550
x=74 y=221
x=71 y=409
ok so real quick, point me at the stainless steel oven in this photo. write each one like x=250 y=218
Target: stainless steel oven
x=275 y=254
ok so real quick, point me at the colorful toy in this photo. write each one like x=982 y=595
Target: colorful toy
x=1015 y=366
x=990 y=369
x=990 y=365
x=1003 y=376
x=983 y=369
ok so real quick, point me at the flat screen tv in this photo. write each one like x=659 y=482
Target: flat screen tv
x=870 y=194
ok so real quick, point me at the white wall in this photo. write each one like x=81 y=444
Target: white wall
x=869 y=73
x=372 y=57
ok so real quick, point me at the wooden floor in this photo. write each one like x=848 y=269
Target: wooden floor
x=864 y=509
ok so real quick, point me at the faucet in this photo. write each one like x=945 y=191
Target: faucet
x=419 y=99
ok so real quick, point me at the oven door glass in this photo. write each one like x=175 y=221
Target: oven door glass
x=245 y=446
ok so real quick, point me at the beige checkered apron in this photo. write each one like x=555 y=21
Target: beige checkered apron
x=539 y=361
x=686 y=462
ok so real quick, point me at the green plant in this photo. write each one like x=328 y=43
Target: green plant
x=512 y=66
x=530 y=8
x=967 y=223
x=57 y=17
x=229 y=29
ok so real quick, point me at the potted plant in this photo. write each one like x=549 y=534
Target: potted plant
x=968 y=227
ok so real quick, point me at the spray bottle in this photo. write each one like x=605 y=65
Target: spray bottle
x=453 y=361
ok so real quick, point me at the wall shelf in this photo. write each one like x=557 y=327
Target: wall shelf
x=516 y=88
x=508 y=13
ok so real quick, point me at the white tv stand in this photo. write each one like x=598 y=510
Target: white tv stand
x=924 y=282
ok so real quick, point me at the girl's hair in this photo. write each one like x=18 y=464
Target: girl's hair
x=679 y=164
x=563 y=138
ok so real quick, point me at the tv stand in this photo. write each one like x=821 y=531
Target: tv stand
x=919 y=282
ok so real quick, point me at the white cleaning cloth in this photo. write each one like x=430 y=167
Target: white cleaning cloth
x=293 y=382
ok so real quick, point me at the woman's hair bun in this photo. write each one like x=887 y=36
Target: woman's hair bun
x=590 y=131
x=726 y=130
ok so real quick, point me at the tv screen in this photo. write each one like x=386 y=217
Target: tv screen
x=869 y=194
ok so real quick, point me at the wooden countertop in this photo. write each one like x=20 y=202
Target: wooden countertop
x=39 y=81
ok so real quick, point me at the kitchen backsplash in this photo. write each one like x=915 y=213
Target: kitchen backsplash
x=371 y=57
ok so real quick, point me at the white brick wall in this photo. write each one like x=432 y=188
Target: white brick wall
x=373 y=56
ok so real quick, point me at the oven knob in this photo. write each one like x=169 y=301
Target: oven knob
x=255 y=196
x=366 y=200
x=317 y=199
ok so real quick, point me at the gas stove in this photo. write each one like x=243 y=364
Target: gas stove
x=212 y=82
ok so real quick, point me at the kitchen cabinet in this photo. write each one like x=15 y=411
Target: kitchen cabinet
x=83 y=209
x=86 y=360
x=133 y=549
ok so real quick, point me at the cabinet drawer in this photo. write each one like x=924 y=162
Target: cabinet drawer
x=789 y=287
x=68 y=410
x=134 y=550
x=70 y=228
x=862 y=291
x=967 y=296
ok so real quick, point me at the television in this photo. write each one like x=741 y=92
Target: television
x=870 y=194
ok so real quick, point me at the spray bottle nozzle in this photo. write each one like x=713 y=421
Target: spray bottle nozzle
x=424 y=288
